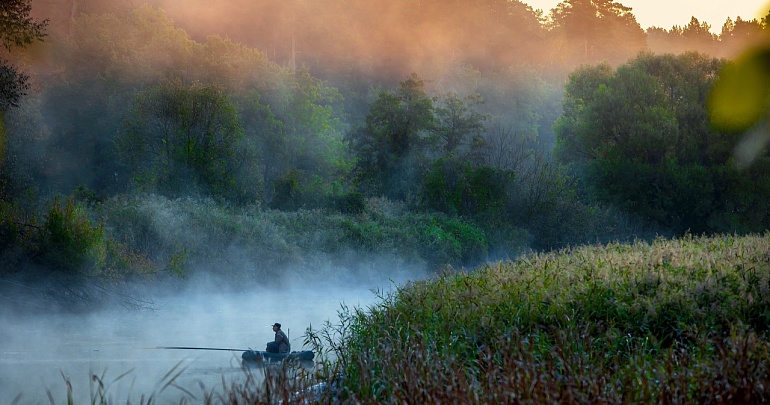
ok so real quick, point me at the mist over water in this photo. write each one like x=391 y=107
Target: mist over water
x=37 y=352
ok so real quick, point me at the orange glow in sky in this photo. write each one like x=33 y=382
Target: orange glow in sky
x=667 y=13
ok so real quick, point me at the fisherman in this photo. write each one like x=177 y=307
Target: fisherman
x=281 y=342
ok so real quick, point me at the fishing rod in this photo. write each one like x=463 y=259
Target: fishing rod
x=197 y=348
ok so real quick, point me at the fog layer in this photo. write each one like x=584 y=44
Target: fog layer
x=37 y=353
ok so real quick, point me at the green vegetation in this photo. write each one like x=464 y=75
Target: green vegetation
x=134 y=145
x=683 y=320
x=674 y=320
x=641 y=138
x=184 y=152
x=183 y=138
x=273 y=244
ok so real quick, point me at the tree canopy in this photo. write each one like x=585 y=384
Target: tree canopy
x=182 y=139
x=642 y=137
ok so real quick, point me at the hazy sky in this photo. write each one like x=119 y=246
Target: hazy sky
x=667 y=13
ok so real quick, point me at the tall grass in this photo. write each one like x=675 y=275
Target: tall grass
x=276 y=384
x=681 y=320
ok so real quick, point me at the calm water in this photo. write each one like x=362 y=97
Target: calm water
x=36 y=353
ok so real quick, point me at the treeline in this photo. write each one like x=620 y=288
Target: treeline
x=365 y=39
x=172 y=153
x=642 y=139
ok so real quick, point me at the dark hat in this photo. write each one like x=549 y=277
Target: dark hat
x=277 y=324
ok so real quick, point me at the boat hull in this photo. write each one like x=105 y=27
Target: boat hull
x=257 y=358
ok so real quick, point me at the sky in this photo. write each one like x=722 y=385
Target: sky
x=667 y=13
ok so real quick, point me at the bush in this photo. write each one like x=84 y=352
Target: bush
x=286 y=192
x=473 y=241
x=350 y=203
x=11 y=235
x=69 y=241
x=10 y=231
x=456 y=187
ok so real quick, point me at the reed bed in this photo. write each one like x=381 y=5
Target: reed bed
x=671 y=321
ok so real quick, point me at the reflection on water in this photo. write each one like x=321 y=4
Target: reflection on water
x=38 y=353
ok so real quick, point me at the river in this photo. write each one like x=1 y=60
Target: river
x=37 y=353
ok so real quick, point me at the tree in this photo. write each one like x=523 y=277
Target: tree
x=697 y=35
x=297 y=130
x=106 y=61
x=390 y=146
x=737 y=34
x=457 y=187
x=642 y=133
x=593 y=30
x=580 y=92
x=458 y=124
x=17 y=29
x=183 y=139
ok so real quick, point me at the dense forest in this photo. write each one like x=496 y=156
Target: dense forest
x=256 y=141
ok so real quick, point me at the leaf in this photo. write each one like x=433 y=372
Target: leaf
x=740 y=97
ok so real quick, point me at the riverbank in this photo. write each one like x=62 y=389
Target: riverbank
x=681 y=320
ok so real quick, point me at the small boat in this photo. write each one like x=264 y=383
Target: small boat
x=257 y=358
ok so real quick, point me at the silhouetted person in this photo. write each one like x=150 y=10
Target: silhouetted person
x=281 y=343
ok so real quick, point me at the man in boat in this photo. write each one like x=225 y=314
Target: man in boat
x=281 y=342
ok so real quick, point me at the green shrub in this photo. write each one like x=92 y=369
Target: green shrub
x=441 y=247
x=350 y=203
x=456 y=187
x=286 y=192
x=13 y=242
x=10 y=229
x=69 y=241
x=473 y=241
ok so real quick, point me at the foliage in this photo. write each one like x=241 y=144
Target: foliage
x=69 y=241
x=262 y=244
x=84 y=131
x=11 y=229
x=594 y=28
x=390 y=146
x=350 y=203
x=609 y=322
x=105 y=62
x=641 y=138
x=13 y=86
x=66 y=240
x=17 y=28
x=183 y=139
x=286 y=192
x=291 y=120
x=694 y=36
x=298 y=132
x=456 y=187
x=458 y=124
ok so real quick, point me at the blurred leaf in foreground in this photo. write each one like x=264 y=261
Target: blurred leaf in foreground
x=741 y=94
x=740 y=101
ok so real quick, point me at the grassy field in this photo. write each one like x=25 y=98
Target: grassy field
x=672 y=321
